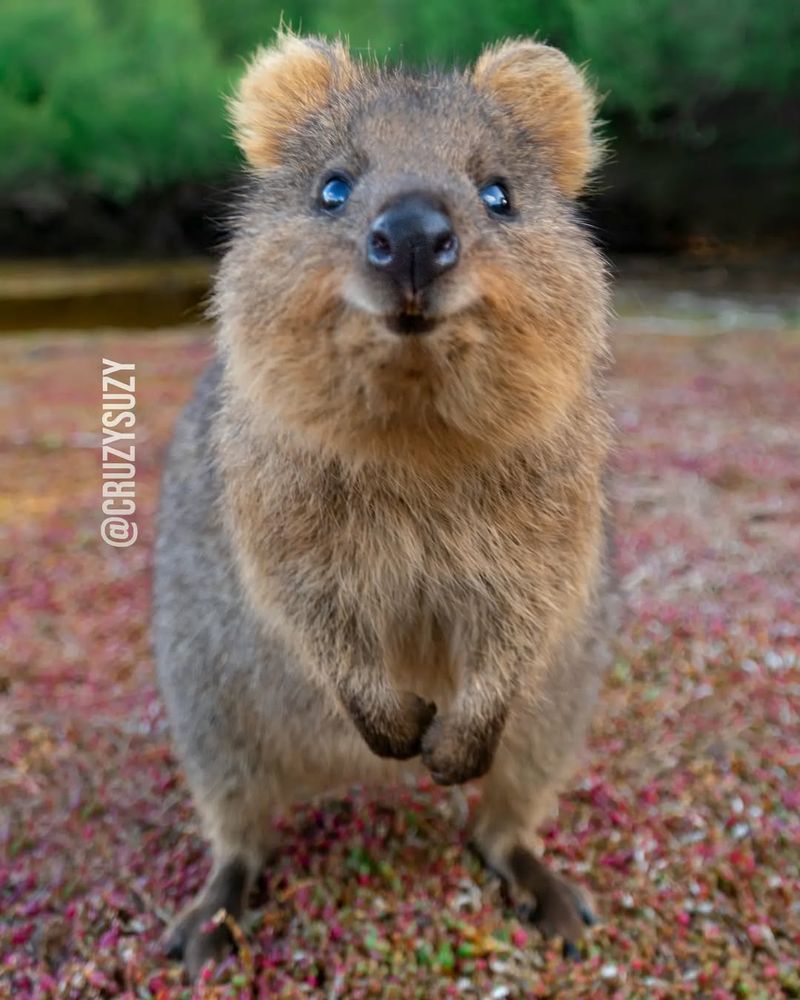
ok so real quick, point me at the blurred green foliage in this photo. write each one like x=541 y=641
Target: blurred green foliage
x=110 y=95
x=117 y=96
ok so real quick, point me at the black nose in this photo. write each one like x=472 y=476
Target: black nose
x=412 y=242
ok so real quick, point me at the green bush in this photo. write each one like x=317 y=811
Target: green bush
x=110 y=97
x=114 y=97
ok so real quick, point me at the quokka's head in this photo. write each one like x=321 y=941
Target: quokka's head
x=407 y=275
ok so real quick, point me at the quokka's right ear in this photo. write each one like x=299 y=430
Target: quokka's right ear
x=282 y=87
x=549 y=97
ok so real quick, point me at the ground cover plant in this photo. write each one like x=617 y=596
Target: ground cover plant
x=684 y=820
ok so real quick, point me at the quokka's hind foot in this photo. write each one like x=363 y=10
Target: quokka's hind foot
x=193 y=938
x=237 y=817
x=516 y=799
x=554 y=905
x=549 y=902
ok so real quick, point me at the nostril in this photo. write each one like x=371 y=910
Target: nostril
x=444 y=243
x=379 y=248
x=445 y=249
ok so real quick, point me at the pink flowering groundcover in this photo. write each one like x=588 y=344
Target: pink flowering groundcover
x=683 y=820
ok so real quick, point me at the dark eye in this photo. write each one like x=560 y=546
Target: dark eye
x=495 y=198
x=335 y=193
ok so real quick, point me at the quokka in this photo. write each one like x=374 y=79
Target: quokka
x=382 y=531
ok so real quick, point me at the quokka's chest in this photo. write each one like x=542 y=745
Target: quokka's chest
x=424 y=551
x=393 y=544
x=384 y=531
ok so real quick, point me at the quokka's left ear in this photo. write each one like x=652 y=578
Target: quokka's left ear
x=549 y=97
x=282 y=88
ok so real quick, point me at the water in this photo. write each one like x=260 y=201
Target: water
x=81 y=295
x=652 y=295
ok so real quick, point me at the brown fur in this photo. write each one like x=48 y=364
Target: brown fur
x=282 y=87
x=405 y=534
x=549 y=96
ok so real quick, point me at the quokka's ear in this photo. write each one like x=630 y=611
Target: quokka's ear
x=282 y=87
x=548 y=96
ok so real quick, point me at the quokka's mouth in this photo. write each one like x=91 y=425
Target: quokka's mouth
x=411 y=323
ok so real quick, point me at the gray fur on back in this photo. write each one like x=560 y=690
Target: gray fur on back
x=230 y=686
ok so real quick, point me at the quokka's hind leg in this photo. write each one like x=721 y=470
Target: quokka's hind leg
x=517 y=796
x=242 y=837
x=192 y=937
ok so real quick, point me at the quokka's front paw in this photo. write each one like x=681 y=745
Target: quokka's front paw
x=454 y=753
x=398 y=732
